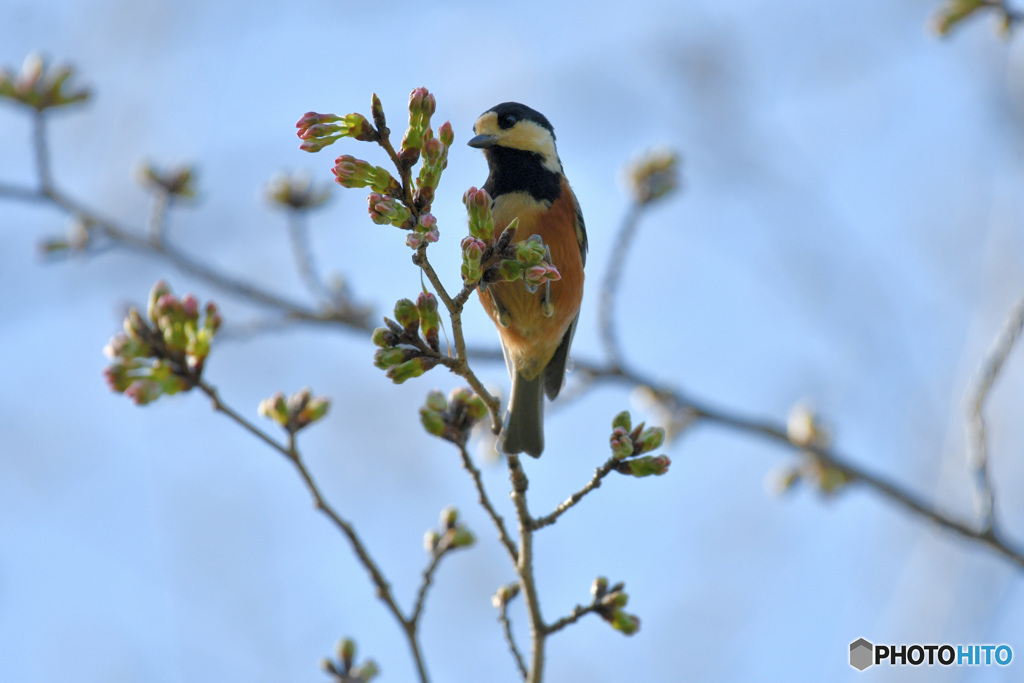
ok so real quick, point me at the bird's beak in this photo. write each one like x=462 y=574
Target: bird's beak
x=482 y=141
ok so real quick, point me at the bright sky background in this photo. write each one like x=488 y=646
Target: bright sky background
x=849 y=233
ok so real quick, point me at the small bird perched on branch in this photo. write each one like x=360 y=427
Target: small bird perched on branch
x=536 y=329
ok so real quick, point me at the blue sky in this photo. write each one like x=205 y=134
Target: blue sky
x=849 y=234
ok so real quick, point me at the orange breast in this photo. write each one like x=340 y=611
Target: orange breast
x=531 y=338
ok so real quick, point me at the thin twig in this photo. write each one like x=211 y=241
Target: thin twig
x=610 y=283
x=425 y=583
x=454 y=308
x=524 y=568
x=599 y=474
x=39 y=144
x=158 y=215
x=578 y=613
x=298 y=237
x=485 y=501
x=977 y=449
x=507 y=628
x=291 y=452
x=22 y=194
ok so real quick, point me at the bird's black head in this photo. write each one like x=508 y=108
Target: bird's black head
x=515 y=126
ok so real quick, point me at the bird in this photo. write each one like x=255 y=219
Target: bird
x=525 y=181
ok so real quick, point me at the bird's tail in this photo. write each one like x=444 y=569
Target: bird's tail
x=524 y=423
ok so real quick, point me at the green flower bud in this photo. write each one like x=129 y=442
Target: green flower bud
x=449 y=516
x=510 y=271
x=409 y=369
x=651 y=439
x=504 y=595
x=627 y=624
x=462 y=538
x=645 y=466
x=160 y=289
x=621 y=444
x=143 y=391
x=436 y=401
x=476 y=409
x=433 y=421
x=531 y=251
x=478 y=205
x=430 y=541
x=315 y=409
x=446 y=134
x=615 y=600
x=386 y=358
x=622 y=421
x=599 y=587
x=407 y=315
x=377 y=111
x=274 y=408
x=426 y=306
x=347 y=652
x=384 y=338
x=368 y=671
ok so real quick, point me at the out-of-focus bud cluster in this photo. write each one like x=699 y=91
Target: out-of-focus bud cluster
x=343 y=668
x=805 y=430
x=609 y=603
x=320 y=130
x=453 y=534
x=951 y=14
x=407 y=347
x=75 y=239
x=629 y=444
x=390 y=203
x=454 y=417
x=166 y=354
x=486 y=260
x=295 y=191
x=176 y=181
x=504 y=595
x=653 y=176
x=299 y=410
x=40 y=86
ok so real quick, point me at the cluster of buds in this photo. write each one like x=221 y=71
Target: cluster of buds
x=805 y=430
x=295 y=191
x=76 y=238
x=344 y=670
x=609 y=603
x=40 y=87
x=405 y=204
x=454 y=417
x=166 y=354
x=486 y=260
x=955 y=11
x=453 y=534
x=320 y=130
x=653 y=176
x=299 y=410
x=435 y=160
x=176 y=181
x=629 y=444
x=410 y=344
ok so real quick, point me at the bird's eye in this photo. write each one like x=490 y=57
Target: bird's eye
x=506 y=120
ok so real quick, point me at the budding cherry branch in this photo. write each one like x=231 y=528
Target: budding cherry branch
x=163 y=351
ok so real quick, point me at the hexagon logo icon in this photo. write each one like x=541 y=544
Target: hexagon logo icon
x=861 y=654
